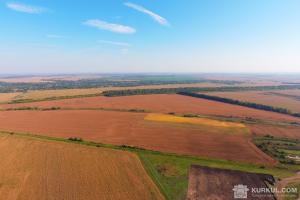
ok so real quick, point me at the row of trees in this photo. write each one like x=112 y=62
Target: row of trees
x=112 y=93
x=241 y=103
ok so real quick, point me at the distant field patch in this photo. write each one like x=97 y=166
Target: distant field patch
x=276 y=131
x=36 y=95
x=42 y=94
x=6 y=97
x=191 y=120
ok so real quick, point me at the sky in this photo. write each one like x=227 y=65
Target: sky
x=137 y=36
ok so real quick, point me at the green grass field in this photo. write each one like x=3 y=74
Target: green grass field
x=291 y=152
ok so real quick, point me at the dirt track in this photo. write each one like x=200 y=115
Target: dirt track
x=33 y=169
x=131 y=129
x=284 y=182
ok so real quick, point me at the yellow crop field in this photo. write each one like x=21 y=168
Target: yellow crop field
x=190 y=120
x=42 y=94
x=39 y=169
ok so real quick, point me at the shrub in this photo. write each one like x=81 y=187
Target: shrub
x=190 y=115
x=75 y=139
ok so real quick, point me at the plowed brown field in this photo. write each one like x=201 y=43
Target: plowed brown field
x=163 y=103
x=277 y=131
x=131 y=129
x=36 y=169
x=218 y=184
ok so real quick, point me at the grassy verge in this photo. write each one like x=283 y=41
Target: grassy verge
x=170 y=171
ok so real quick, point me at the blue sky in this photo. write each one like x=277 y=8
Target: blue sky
x=53 y=36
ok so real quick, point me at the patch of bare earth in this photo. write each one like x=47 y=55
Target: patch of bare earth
x=219 y=184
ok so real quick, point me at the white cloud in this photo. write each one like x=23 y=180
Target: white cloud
x=26 y=8
x=155 y=16
x=117 y=28
x=114 y=43
x=54 y=36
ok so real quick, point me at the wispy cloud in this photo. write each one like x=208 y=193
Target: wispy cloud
x=155 y=16
x=54 y=36
x=117 y=28
x=26 y=8
x=124 y=44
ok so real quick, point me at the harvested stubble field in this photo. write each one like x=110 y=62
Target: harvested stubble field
x=31 y=79
x=289 y=99
x=163 y=103
x=6 y=97
x=38 y=169
x=42 y=94
x=126 y=128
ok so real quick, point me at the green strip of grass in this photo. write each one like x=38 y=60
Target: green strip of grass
x=291 y=152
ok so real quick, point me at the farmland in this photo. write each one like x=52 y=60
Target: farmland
x=169 y=171
x=39 y=169
x=38 y=95
x=7 y=97
x=162 y=103
x=166 y=133
x=149 y=100
x=129 y=128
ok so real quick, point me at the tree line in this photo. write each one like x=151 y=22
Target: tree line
x=241 y=103
x=111 y=93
